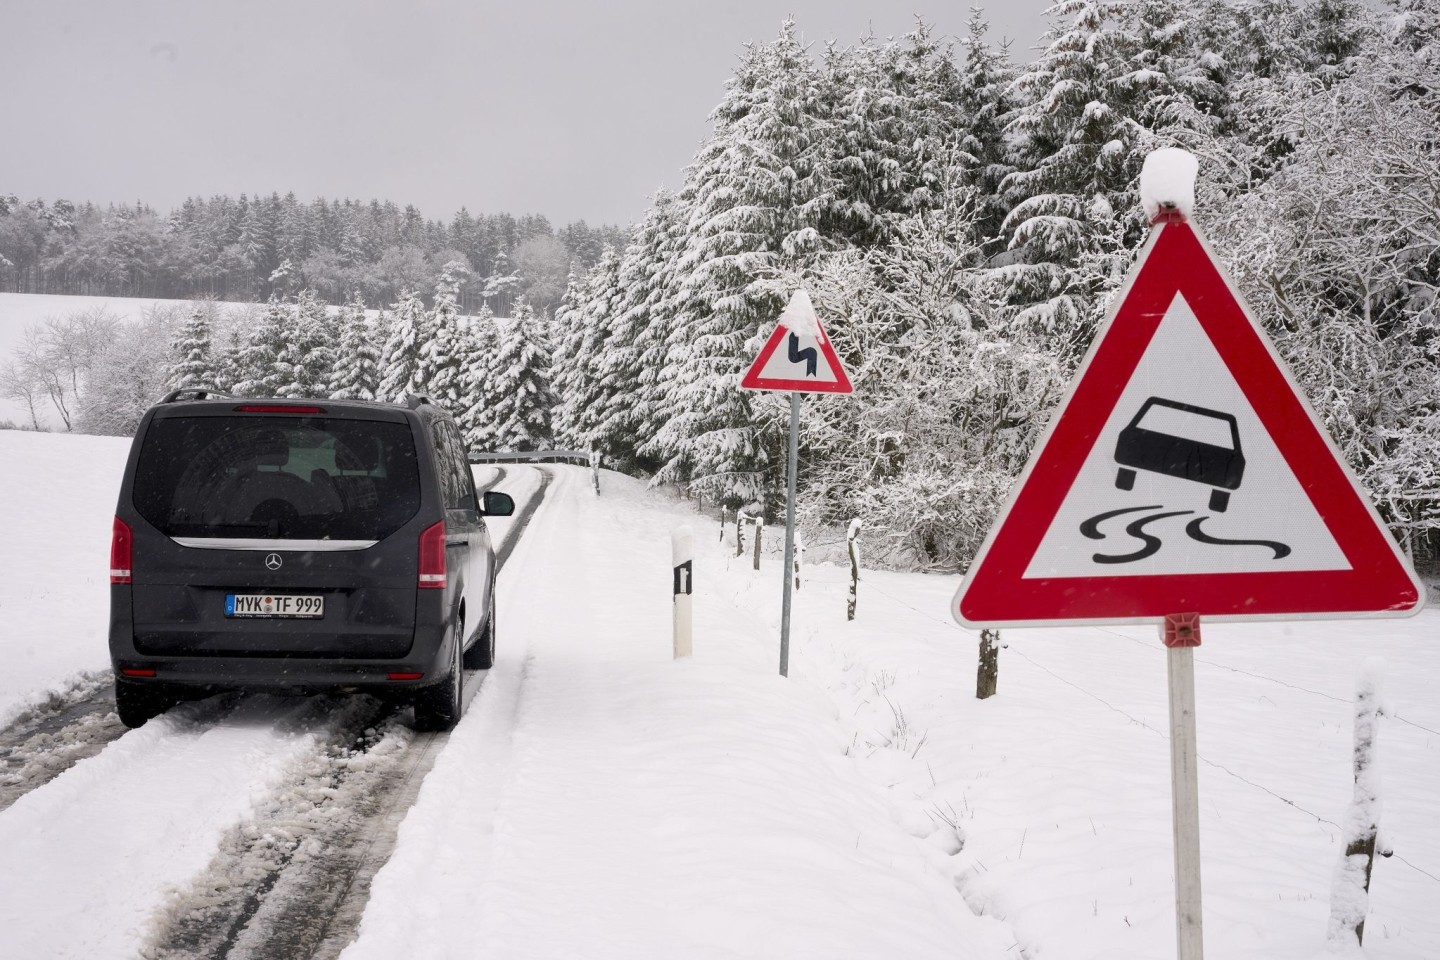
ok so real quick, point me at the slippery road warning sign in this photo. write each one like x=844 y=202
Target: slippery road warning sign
x=798 y=356
x=1184 y=472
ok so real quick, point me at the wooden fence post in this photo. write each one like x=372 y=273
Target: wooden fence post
x=722 y=523
x=739 y=533
x=759 y=530
x=852 y=544
x=799 y=555
x=1350 y=886
x=987 y=678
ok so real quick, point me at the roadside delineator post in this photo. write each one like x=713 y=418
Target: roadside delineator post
x=682 y=551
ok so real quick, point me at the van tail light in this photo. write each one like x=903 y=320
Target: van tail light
x=137 y=671
x=432 y=557
x=122 y=544
x=278 y=408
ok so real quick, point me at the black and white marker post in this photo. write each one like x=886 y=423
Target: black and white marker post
x=807 y=364
x=682 y=552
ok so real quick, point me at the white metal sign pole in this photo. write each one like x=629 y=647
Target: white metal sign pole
x=789 y=534
x=1181 y=635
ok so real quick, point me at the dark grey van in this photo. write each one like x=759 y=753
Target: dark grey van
x=300 y=545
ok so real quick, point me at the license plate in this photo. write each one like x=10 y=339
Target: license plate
x=273 y=605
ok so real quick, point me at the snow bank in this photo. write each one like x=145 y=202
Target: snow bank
x=1167 y=182
x=57 y=498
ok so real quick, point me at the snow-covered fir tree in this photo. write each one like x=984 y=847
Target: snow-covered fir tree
x=196 y=364
x=475 y=411
x=439 y=359
x=306 y=357
x=400 y=359
x=356 y=373
x=519 y=380
x=256 y=371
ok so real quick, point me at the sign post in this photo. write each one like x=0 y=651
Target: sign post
x=1181 y=635
x=1185 y=472
x=808 y=364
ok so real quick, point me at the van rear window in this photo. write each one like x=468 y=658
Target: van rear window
x=308 y=478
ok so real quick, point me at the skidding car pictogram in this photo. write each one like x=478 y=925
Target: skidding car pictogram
x=1185 y=441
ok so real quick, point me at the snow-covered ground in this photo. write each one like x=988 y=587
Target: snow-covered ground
x=600 y=799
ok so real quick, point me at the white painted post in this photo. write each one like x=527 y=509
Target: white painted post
x=1181 y=635
x=682 y=551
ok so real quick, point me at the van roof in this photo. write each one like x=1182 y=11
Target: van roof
x=209 y=398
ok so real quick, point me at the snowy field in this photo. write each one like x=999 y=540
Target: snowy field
x=601 y=800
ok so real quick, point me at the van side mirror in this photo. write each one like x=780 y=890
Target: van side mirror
x=498 y=504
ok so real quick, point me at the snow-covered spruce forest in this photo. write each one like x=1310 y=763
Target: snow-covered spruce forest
x=961 y=218
x=230 y=249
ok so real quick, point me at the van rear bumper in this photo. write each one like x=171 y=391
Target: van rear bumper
x=429 y=656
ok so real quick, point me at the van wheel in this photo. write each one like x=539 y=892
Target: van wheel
x=1125 y=478
x=439 y=707
x=481 y=655
x=1219 y=500
x=138 y=702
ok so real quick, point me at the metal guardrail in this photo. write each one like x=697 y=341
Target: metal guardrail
x=530 y=456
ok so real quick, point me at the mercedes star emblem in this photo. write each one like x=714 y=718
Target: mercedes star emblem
x=274 y=562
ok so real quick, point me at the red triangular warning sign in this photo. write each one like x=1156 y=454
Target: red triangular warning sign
x=808 y=364
x=1184 y=473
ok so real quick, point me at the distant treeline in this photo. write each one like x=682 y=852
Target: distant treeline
x=231 y=249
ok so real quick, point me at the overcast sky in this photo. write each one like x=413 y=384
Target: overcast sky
x=573 y=109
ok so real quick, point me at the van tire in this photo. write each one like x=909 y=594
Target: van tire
x=138 y=702
x=438 y=707
x=481 y=655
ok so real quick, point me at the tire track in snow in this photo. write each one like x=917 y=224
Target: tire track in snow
x=293 y=882
x=69 y=726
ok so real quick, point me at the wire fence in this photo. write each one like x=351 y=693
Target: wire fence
x=871 y=587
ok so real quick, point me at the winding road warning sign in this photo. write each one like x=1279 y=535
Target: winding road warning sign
x=806 y=364
x=1184 y=472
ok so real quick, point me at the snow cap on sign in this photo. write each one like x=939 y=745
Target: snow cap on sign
x=799 y=316
x=1167 y=181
